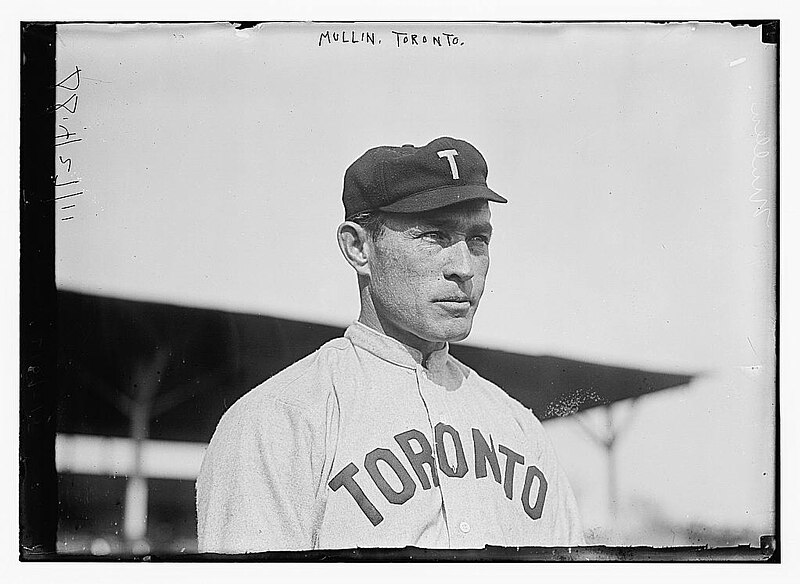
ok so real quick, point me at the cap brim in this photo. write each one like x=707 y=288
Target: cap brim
x=443 y=197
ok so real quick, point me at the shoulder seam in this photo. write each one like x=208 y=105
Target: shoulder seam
x=284 y=386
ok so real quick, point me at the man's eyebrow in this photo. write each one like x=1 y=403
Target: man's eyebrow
x=449 y=223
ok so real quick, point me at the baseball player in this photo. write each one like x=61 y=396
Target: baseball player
x=381 y=438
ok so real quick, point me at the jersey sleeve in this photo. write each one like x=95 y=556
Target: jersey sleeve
x=563 y=516
x=259 y=482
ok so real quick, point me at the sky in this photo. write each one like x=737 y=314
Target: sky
x=638 y=161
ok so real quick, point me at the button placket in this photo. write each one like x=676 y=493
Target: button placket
x=427 y=391
x=431 y=406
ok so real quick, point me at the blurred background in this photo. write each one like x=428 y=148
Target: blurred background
x=630 y=302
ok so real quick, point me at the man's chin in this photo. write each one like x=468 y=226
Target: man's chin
x=453 y=333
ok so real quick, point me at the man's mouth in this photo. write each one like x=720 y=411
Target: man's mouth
x=455 y=305
x=459 y=299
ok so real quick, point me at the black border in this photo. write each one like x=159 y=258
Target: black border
x=38 y=506
x=595 y=554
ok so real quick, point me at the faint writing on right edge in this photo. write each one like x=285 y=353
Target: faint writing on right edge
x=759 y=152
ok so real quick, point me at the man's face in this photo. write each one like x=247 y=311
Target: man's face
x=428 y=270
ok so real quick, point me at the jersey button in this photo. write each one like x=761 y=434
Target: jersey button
x=464 y=527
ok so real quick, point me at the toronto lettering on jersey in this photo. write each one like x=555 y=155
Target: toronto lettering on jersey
x=420 y=455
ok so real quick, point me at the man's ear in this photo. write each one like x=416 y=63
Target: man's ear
x=355 y=243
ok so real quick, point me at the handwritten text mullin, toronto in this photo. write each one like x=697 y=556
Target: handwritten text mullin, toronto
x=397 y=39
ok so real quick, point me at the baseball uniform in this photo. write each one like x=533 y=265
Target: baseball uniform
x=366 y=444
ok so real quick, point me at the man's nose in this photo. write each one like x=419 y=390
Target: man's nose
x=459 y=264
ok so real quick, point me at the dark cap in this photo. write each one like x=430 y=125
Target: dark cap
x=410 y=179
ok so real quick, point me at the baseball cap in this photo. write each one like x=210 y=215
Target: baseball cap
x=411 y=179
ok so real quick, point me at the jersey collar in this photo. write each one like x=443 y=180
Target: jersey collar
x=392 y=350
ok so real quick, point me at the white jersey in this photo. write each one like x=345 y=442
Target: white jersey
x=362 y=444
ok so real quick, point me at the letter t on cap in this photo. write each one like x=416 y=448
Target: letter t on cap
x=451 y=158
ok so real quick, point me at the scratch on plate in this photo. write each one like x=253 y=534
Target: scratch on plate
x=752 y=347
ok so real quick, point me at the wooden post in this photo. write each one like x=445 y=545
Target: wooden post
x=607 y=441
x=147 y=378
x=612 y=470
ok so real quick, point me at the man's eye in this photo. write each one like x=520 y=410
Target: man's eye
x=435 y=235
x=482 y=239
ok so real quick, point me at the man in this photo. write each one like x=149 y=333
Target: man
x=381 y=438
